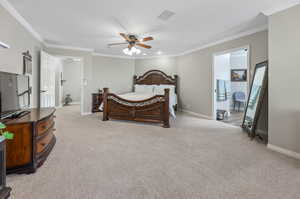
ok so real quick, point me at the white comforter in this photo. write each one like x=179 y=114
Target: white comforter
x=142 y=96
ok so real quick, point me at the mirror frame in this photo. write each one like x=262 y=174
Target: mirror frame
x=251 y=131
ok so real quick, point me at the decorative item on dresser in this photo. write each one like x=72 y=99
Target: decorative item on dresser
x=154 y=109
x=4 y=191
x=96 y=102
x=33 y=140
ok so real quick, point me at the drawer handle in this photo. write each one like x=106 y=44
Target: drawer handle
x=43 y=144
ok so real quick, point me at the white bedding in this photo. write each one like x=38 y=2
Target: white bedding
x=135 y=96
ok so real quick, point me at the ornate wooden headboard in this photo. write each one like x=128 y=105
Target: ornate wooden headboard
x=156 y=77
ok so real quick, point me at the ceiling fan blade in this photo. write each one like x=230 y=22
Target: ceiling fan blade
x=143 y=45
x=147 y=39
x=116 y=44
x=125 y=36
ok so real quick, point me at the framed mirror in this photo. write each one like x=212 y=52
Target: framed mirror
x=255 y=98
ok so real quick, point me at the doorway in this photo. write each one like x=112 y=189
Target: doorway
x=71 y=84
x=231 y=85
x=61 y=81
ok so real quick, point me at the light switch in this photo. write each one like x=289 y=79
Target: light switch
x=85 y=82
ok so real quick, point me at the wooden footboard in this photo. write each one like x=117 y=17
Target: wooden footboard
x=154 y=109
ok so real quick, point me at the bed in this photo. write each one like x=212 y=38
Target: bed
x=145 y=106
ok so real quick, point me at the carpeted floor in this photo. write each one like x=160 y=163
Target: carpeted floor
x=195 y=159
x=235 y=118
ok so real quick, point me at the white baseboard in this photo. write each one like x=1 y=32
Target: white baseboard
x=286 y=152
x=197 y=114
x=86 y=113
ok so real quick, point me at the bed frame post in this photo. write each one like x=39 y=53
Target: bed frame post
x=134 y=82
x=176 y=90
x=176 y=83
x=166 y=112
x=105 y=105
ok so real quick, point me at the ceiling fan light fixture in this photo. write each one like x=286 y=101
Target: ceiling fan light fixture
x=131 y=51
x=126 y=51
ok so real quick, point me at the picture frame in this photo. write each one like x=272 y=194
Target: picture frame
x=238 y=75
x=27 y=63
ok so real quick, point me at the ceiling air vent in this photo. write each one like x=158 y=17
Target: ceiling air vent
x=166 y=15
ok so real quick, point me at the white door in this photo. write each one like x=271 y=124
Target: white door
x=47 y=80
x=221 y=76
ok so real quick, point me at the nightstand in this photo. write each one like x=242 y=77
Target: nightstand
x=96 y=102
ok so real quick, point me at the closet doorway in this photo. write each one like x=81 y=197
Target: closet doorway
x=231 y=85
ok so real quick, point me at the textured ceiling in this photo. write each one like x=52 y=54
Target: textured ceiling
x=95 y=23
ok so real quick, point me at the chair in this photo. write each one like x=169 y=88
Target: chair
x=238 y=98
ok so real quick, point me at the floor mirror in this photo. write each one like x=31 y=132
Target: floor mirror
x=255 y=98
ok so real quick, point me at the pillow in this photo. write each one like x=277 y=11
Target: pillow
x=143 y=88
x=160 y=89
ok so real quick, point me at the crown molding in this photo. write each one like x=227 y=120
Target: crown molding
x=20 y=19
x=281 y=7
x=113 y=56
x=68 y=47
x=237 y=36
x=158 y=56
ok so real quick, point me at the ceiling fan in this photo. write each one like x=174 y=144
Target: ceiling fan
x=132 y=40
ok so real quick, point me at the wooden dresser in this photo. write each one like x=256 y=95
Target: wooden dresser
x=96 y=102
x=33 y=140
x=4 y=190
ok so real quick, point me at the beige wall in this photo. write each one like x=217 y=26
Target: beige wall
x=284 y=70
x=195 y=71
x=20 y=40
x=114 y=73
x=72 y=74
x=165 y=64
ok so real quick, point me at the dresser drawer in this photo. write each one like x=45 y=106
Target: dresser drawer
x=44 y=142
x=44 y=125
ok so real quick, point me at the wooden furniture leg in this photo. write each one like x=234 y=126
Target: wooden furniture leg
x=166 y=114
x=105 y=104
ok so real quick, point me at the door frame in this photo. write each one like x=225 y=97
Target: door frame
x=45 y=53
x=82 y=80
x=213 y=108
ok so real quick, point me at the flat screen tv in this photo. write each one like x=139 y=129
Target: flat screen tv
x=14 y=93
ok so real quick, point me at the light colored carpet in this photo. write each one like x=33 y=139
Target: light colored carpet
x=235 y=118
x=195 y=159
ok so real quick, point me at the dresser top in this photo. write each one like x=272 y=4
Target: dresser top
x=36 y=114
